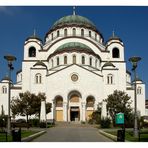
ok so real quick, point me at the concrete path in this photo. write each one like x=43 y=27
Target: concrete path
x=72 y=133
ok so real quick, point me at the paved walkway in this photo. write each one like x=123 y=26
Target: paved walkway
x=72 y=133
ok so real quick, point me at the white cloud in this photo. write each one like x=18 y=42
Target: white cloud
x=5 y=10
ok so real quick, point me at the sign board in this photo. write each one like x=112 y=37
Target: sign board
x=120 y=118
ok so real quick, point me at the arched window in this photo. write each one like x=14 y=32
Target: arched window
x=90 y=61
x=59 y=101
x=74 y=98
x=52 y=63
x=74 y=31
x=58 y=33
x=95 y=36
x=90 y=34
x=38 y=78
x=115 y=53
x=52 y=36
x=32 y=52
x=96 y=62
x=139 y=90
x=82 y=32
x=109 y=79
x=83 y=60
x=74 y=59
x=65 y=59
x=4 y=90
x=58 y=61
x=65 y=32
x=90 y=101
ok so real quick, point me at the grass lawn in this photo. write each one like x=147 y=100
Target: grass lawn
x=24 y=133
x=129 y=135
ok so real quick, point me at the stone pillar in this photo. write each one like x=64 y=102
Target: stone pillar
x=95 y=106
x=103 y=110
x=65 y=111
x=83 y=111
x=53 y=109
x=43 y=111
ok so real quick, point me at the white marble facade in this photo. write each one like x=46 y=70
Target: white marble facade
x=75 y=68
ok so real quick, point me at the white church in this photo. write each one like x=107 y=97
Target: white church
x=76 y=70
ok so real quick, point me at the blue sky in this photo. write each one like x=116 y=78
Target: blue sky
x=129 y=23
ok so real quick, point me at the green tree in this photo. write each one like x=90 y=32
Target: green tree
x=117 y=102
x=36 y=104
x=23 y=105
x=95 y=117
x=29 y=104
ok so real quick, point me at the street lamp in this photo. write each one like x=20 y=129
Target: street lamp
x=10 y=59
x=134 y=60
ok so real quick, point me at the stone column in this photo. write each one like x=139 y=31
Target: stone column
x=43 y=111
x=65 y=111
x=103 y=110
x=53 y=109
x=83 y=111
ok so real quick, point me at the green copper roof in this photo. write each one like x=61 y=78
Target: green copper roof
x=73 y=45
x=39 y=63
x=108 y=64
x=73 y=19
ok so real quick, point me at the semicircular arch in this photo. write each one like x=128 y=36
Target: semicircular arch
x=74 y=92
x=97 y=50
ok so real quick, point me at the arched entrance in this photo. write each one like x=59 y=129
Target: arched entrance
x=90 y=101
x=58 y=108
x=74 y=99
x=74 y=110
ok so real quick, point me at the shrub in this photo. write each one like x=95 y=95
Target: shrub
x=105 y=122
x=42 y=124
x=3 y=121
x=129 y=120
x=95 y=118
x=143 y=122
x=82 y=122
x=34 y=122
x=90 y=121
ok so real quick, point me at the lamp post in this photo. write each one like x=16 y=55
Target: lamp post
x=134 y=60
x=10 y=59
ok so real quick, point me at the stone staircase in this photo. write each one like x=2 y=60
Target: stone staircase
x=72 y=124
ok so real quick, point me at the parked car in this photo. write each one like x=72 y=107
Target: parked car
x=20 y=121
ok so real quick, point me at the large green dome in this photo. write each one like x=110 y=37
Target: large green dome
x=73 y=19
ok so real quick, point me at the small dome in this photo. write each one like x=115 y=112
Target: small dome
x=34 y=36
x=137 y=79
x=39 y=63
x=75 y=45
x=6 y=78
x=73 y=19
x=108 y=64
x=114 y=37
